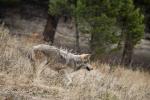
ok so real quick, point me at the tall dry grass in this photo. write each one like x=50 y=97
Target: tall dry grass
x=103 y=83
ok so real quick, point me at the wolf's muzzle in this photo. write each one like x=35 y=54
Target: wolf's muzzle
x=88 y=67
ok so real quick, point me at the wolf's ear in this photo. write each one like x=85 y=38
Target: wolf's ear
x=86 y=56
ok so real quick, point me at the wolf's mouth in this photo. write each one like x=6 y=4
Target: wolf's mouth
x=89 y=69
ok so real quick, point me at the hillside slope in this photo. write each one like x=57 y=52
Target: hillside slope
x=102 y=83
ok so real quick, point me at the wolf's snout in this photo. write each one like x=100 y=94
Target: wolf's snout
x=89 y=67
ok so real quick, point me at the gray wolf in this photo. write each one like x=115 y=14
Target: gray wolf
x=63 y=56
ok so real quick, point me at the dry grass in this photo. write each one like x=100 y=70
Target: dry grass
x=17 y=83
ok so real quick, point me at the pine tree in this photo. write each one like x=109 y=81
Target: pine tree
x=101 y=17
x=67 y=8
x=132 y=27
x=145 y=7
x=56 y=9
x=105 y=17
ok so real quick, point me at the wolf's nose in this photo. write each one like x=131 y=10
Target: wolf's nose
x=89 y=69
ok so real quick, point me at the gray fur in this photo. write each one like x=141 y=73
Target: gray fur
x=61 y=55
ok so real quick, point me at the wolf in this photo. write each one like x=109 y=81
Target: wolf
x=63 y=56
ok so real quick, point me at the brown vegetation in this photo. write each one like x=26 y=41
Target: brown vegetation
x=103 y=83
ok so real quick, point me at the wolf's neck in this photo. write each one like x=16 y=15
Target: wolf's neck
x=69 y=56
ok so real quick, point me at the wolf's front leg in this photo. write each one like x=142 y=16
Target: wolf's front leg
x=42 y=66
x=76 y=66
x=67 y=75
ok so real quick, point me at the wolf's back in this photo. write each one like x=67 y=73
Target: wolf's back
x=51 y=52
x=44 y=47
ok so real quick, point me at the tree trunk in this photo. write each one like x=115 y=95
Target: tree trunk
x=127 y=51
x=77 y=47
x=92 y=44
x=50 y=28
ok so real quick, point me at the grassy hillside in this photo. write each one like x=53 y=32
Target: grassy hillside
x=102 y=83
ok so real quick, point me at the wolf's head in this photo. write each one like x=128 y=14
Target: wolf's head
x=85 y=58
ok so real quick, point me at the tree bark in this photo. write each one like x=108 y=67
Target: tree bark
x=127 y=51
x=50 y=28
x=77 y=47
x=92 y=44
